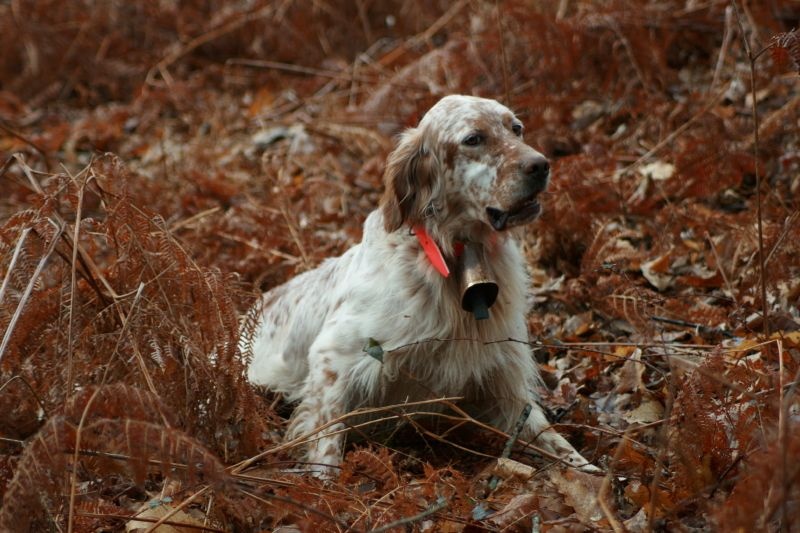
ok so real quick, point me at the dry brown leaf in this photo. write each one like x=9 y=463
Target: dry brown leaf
x=580 y=491
x=648 y=411
x=159 y=511
x=510 y=469
x=656 y=271
x=517 y=512
x=629 y=378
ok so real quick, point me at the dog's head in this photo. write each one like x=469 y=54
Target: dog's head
x=464 y=165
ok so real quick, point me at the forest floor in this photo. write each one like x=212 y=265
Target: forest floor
x=162 y=163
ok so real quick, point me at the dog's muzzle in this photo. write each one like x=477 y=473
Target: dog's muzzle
x=535 y=175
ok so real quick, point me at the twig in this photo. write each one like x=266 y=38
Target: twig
x=30 y=389
x=179 y=526
x=662 y=453
x=6 y=166
x=125 y=322
x=296 y=504
x=91 y=268
x=72 y=293
x=721 y=269
x=435 y=436
x=290 y=223
x=238 y=467
x=754 y=111
x=172 y=512
x=311 y=71
x=787 y=226
x=29 y=287
x=601 y=494
x=727 y=37
x=17 y=249
x=364 y=19
x=783 y=442
x=74 y=476
x=526 y=412
x=698 y=327
x=28 y=142
x=440 y=504
x=192 y=219
x=200 y=40
x=425 y=36
x=676 y=133
x=563 y=7
x=503 y=59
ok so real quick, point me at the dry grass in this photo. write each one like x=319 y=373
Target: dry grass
x=162 y=164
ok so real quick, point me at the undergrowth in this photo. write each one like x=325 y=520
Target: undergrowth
x=163 y=163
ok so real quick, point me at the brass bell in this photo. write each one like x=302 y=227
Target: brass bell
x=478 y=289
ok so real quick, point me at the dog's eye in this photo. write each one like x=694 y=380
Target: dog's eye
x=517 y=129
x=473 y=139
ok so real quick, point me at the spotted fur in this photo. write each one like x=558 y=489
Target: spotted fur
x=312 y=330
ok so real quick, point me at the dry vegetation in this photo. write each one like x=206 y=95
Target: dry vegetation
x=163 y=162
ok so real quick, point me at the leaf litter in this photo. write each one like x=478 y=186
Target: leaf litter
x=162 y=163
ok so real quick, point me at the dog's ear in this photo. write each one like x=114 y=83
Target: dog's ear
x=410 y=182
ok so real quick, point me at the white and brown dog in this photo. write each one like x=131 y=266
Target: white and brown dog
x=464 y=176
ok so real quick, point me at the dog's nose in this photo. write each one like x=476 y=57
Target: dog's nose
x=536 y=167
x=536 y=170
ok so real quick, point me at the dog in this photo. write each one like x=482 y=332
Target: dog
x=462 y=178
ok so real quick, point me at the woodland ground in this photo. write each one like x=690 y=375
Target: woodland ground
x=162 y=162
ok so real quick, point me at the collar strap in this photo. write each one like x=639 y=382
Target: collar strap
x=433 y=251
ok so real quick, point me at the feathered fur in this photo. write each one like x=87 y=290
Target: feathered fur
x=465 y=175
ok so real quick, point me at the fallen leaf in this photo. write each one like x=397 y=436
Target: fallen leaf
x=649 y=411
x=580 y=491
x=508 y=469
x=629 y=378
x=517 y=512
x=658 y=170
x=655 y=272
x=159 y=511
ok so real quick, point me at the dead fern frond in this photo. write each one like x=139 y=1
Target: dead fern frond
x=108 y=446
x=38 y=479
x=719 y=420
x=373 y=467
x=763 y=473
x=790 y=43
x=119 y=400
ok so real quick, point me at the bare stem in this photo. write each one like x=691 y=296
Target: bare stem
x=762 y=274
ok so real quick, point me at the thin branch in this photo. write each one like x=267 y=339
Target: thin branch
x=73 y=486
x=237 y=468
x=30 y=389
x=28 y=142
x=172 y=512
x=179 y=526
x=675 y=134
x=526 y=412
x=754 y=111
x=73 y=292
x=296 y=504
x=440 y=504
x=231 y=26
x=17 y=249
x=503 y=59
x=602 y=493
x=29 y=288
x=322 y=73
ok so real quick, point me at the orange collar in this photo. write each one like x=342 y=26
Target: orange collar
x=433 y=251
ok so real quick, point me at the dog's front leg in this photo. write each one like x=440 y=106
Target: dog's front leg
x=324 y=401
x=539 y=432
x=514 y=385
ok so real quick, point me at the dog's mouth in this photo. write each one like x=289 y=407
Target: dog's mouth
x=523 y=212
